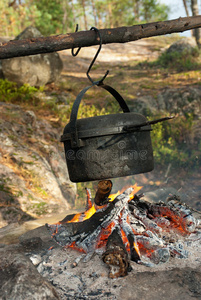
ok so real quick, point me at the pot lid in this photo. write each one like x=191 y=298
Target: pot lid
x=107 y=125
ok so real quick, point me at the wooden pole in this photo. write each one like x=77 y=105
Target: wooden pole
x=89 y=38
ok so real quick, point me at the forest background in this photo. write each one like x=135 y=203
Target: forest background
x=60 y=16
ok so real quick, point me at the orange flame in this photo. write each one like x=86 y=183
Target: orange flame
x=75 y=247
x=136 y=248
x=135 y=187
x=83 y=216
x=79 y=217
x=105 y=233
x=113 y=196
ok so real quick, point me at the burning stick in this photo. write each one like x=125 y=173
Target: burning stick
x=89 y=203
x=116 y=255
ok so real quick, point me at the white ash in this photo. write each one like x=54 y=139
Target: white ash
x=90 y=280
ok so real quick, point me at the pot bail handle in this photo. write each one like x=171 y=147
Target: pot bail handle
x=73 y=118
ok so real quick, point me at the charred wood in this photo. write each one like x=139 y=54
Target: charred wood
x=68 y=218
x=85 y=233
x=116 y=256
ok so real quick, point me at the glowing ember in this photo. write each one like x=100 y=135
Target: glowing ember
x=126 y=225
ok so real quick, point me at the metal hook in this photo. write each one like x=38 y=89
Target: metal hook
x=78 y=50
x=94 y=59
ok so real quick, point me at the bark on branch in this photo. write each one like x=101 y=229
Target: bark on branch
x=89 y=38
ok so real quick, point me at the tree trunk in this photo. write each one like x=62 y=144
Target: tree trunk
x=65 y=16
x=73 y=12
x=195 y=12
x=136 y=10
x=94 y=12
x=110 y=15
x=186 y=8
x=85 y=16
x=187 y=12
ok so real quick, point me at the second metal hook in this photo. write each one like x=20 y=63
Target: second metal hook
x=78 y=50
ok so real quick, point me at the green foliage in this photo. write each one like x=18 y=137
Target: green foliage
x=49 y=16
x=8 y=189
x=60 y=16
x=16 y=16
x=11 y=92
x=25 y=94
x=172 y=140
x=39 y=208
x=87 y=110
x=114 y=13
x=152 y=10
x=4 y=187
x=181 y=61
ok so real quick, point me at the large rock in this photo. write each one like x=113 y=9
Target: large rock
x=36 y=70
x=185 y=44
x=182 y=101
x=2 y=40
x=20 y=280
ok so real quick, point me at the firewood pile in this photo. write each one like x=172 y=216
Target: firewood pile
x=124 y=228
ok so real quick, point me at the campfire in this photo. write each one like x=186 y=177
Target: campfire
x=123 y=227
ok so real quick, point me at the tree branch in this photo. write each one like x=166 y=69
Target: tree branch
x=89 y=38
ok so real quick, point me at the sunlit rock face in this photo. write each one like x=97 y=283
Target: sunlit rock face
x=33 y=174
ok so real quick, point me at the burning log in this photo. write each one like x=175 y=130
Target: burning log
x=125 y=227
x=116 y=255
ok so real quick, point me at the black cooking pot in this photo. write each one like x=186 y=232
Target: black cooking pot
x=107 y=146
